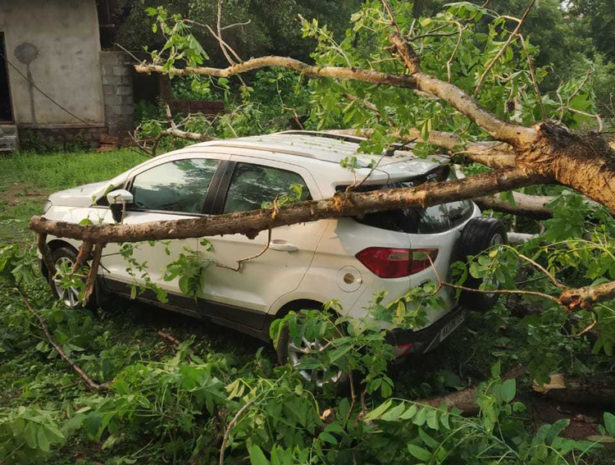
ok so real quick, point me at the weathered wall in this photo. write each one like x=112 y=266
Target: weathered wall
x=67 y=63
x=117 y=72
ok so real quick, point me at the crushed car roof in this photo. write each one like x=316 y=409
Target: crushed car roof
x=322 y=146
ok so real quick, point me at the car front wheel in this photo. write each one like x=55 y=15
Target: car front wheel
x=64 y=258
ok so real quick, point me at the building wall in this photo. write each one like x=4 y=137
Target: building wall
x=66 y=67
x=117 y=74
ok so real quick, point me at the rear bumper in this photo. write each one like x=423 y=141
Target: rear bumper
x=426 y=339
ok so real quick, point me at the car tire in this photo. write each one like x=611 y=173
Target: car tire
x=284 y=351
x=479 y=235
x=70 y=297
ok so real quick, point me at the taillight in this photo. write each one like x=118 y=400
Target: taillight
x=396 y=263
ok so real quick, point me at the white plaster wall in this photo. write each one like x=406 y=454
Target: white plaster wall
x=67 y=68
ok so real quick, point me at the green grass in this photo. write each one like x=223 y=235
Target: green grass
x=27 y=179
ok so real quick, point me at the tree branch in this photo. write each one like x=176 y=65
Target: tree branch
x=446 y=91
x=353 y=74
x=91 y=279
x=251 y=222
x=493 y=154
x=465 y=400
x=92 y=385
x=174 y=131
x=512 y=35
x=533 y=206
x=46 y=254
x=517 y=136
x=586 y=297
x=84 y=253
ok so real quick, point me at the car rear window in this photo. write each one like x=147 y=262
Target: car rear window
x=412 y=220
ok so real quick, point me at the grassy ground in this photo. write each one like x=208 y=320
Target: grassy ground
x=27 y=179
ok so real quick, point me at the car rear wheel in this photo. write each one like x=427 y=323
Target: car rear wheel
x=64 y=258
x=293 y=352
x=480 y=234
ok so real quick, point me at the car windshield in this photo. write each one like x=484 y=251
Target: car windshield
x=434 y=219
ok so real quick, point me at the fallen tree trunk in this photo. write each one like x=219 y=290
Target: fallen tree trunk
x=251 y=222
x=490 y=153
x=595 y=389
x=465 y=400
x=532 y=206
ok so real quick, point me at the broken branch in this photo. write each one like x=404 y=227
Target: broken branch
x=465 y=400
x=512 y=35
x=250 y=222
x=91 y=385
x=533 y=206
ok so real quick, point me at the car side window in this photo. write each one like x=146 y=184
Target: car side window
x=253 y=186
x=177 y=186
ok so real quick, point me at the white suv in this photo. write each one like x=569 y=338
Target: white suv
x=348 y=259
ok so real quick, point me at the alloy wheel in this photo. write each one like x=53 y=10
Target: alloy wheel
x=308 y=348
x=69 y=296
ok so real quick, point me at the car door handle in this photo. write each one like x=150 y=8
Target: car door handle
x=283 y=246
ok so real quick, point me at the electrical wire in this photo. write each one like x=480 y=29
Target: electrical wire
x=47 y=96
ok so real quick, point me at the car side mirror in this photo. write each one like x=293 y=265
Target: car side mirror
x=118 y=200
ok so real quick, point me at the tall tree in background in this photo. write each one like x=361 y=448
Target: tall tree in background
x=599 y=16
x=265 y=27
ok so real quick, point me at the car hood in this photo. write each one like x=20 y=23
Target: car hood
x=81 y=196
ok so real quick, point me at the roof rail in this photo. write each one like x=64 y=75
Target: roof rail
x=327 y=135
x=238 y=144
x=387 y=151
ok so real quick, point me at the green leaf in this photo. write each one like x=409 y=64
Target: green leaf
x=495 y=368
x=427 y=439
x=326 y=437
x=395 y=413
x=378 y=411
x=43 y=442
x=334 y=428
x=432 y=419
x=29 y=435
x=339 y=353
x=256 y=456
x=419 y=452
x=609 y=423
x=509 y=388
x=409 y=413
x=419 y=419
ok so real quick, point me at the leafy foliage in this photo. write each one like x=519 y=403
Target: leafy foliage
x=27 y=434
x=185 y=402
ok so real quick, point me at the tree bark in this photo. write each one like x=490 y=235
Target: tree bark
x=585 y=163
x=533 y=206
x=586 y=297
x=251 y=222
x=490 y=153
x=595 y=389
x=465 y=400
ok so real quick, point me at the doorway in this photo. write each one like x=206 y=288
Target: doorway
x=6 y=110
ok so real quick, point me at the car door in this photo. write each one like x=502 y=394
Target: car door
x=170 y=190
x=249 y=273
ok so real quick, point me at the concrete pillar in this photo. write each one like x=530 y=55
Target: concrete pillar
x=117 y=70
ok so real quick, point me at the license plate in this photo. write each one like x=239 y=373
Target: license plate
x=451 y=326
